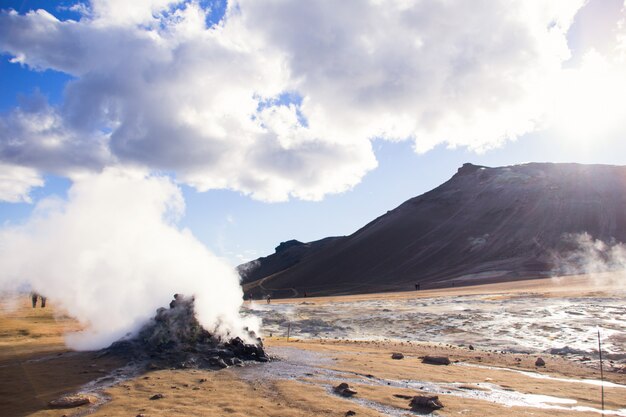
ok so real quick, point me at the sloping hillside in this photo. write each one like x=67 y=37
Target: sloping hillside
x=483 y=225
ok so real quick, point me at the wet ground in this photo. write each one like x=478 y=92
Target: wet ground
x=524 y=323
x=476 y=384
x=317 y=369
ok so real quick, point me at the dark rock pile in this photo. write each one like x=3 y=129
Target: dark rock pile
x=436 y=360
x=175 y=339
x=344 y=390
x=426 y=403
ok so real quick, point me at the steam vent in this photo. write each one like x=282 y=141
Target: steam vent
x=175 y=339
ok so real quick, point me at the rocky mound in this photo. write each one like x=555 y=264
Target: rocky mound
x=175 y=339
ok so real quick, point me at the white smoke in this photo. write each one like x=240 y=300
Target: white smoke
x=111 y=254
x=248 y=267
x=586 y=255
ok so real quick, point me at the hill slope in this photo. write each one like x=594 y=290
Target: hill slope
x=483 y=225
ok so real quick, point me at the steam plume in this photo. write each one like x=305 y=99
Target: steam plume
x=586 y=255
x=111 y=254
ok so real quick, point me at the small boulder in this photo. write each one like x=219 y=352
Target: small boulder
x=436 y=360
x=157 y=397
x=344 y=390
x=397 y=356
x=69 y=401
x=424 y=402
x=218 y=362
x=540 y=362
x=471 y=347
x=350 y=413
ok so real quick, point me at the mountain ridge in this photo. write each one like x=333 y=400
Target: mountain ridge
x=482 y=225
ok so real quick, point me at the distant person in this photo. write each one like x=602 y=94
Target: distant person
x=305 y=294
x=269 y=299
x=43 y=301
x=34 y=296
x=417 y=287
x=174 y=302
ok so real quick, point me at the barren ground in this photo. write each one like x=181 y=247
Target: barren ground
x=36 y=367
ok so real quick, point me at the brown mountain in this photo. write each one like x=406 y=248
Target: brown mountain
x=483 y=225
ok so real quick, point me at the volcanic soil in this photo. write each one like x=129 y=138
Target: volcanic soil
x=36 y=367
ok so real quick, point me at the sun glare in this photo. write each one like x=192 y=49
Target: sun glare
x=587 y=106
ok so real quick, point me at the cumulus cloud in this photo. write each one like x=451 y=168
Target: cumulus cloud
x=35 y=135
x=434 y=72
x=122 y=12
x=111 y=254
x=16 y=182
x=279 y=99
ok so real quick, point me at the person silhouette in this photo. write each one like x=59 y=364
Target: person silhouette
x=33 y=297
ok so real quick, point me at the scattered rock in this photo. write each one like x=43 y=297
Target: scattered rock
x=540 y=362
x=567 y=351
x=422 y=402
x=69 y=401
x=436 y=360
x=344 y=390
x=403 y=396
x=218 y=362
x=140 y=415
x=397 y=356
x=157 y=397
x=471 y=347
x=350 y=413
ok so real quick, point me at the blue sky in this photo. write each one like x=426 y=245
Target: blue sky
x=247 y=219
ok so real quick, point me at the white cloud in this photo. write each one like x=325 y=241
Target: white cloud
x=465 y=74
x=36 y=135
x=282 y=99
x=16 y=182
x=590 y=105
x=620 y=35
x=124 y=12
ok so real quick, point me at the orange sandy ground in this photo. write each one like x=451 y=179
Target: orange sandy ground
x=26 y=386
x=596 y=285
